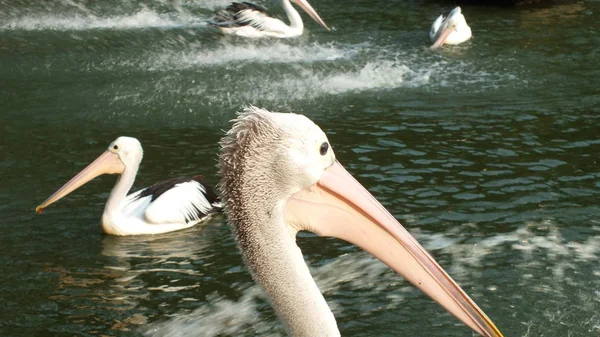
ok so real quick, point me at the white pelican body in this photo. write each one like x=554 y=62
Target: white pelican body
x=280 y=176
x=249 y=20
x=163 y=207
x=451 y=30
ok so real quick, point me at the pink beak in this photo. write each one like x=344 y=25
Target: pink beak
x=338 y=206
x=311 y=11
x=107 y=163
x=442 y=37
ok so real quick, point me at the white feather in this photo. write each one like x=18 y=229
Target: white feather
x=179 y=204
x=252 y=23
x=261 y=21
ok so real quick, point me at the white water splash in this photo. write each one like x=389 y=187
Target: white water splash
x=280 y=72
x=276 y=84
x=234 y=54
x=309 y=83
x=360 y=273
x=373 y=75
x=221 y=316
x=144 y=18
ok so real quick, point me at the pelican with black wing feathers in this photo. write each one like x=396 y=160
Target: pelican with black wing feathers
x=163 y=207
x=279 y=176
x=249 y=20
x=450 y=30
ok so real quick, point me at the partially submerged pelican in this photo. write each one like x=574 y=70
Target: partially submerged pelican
x=451 y=30
x=279 y=176
x=163 y=207
x=250 y=20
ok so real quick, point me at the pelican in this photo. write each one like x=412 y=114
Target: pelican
x=452 y=30
x=250 y=20
x=279 y=175
x=163 y=207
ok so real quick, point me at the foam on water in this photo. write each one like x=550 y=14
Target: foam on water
x=71 y=15
x=545 y=262
x=221 y=316
x=280 y=72
x=539 y=244
x=280 y=89
x=309 y=83
x=144 y=18
x=258 y=78
x=233 y=54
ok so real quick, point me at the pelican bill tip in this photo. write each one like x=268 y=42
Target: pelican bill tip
x=39 y=210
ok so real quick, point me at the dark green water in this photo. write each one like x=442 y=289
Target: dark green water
x=487 y=152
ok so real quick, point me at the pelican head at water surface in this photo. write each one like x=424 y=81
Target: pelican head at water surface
x=249 y=20
x=166 y=206
x=279 y=176
x=451 y=30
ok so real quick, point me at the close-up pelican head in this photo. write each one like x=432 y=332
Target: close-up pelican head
x=451 y=30
x=279 y=176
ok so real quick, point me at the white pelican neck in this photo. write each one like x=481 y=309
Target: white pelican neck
x=276 y=263
x=293 y=15
x=255 y=193
x=114 y=204
x=289 y=284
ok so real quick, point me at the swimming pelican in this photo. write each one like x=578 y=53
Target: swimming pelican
x=163 y=207
x=250 y=20
x=452 y=30
x=279 y=176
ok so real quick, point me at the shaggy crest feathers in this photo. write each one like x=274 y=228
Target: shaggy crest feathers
x=255 y=159
x=251 y=123
x=250 y=131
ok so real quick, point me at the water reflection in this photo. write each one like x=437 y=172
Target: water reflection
x=156 y=249
x=137 y=270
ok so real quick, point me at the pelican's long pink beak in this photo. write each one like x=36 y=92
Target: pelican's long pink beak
x=446 y=31
x=311 y=11
x=339 y=206
x=107 y=163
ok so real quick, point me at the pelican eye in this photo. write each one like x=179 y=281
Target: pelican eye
x=323 y=149
x=115 y=147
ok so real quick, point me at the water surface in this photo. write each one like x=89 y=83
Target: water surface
x=487 y=152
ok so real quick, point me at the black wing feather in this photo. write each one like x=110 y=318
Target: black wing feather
x=159 y=188
x=230 y=17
